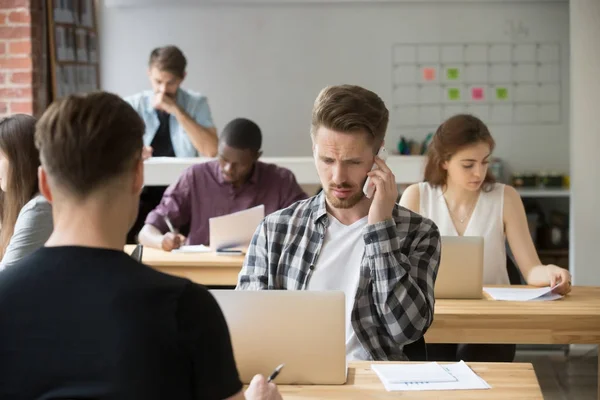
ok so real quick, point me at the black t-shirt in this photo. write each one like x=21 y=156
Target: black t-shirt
x=162 y=146
x=85 y=323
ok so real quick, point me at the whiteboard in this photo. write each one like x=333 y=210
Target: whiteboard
x=433 y=79
x=268 y=62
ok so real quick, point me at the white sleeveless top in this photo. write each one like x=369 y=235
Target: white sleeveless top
x=486 y=220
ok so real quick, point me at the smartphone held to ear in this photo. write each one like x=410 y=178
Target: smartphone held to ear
x=368 y=190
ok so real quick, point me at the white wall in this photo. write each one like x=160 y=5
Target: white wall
x=268 y=62
x=585 y=141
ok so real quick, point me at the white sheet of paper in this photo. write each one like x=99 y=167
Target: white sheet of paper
x=235 y=231
x=522 y=294
x=200 y=248
x=466 y=379
x=410 y=373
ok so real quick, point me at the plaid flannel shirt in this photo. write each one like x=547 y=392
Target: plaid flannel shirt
x=394 y=301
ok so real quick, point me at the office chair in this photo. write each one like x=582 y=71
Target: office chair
x=416 y=351
x=136 y=254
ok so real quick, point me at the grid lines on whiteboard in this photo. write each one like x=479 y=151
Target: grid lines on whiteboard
x=501 y=83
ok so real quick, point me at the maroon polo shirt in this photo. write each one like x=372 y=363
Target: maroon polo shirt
x=200 y=194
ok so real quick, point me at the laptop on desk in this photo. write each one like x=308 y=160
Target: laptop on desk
x=305 y=330
x=460 y=274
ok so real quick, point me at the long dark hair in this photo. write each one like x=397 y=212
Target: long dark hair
x=18 y=146
x=454 y=134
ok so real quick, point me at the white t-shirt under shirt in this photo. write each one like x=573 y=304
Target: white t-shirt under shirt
x=338 y=268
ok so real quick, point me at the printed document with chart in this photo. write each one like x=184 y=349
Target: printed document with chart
x=428 y=376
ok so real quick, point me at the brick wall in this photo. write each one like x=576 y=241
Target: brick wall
x=23 y=87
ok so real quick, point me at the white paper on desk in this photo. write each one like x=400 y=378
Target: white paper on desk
x=466 y=379
x=522 y=294
x=200 y=248
x=409 y=373
x=235 y=231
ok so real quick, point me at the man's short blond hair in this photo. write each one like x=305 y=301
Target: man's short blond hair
x=348 y=108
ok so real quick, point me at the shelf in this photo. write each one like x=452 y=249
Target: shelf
x=544 y=192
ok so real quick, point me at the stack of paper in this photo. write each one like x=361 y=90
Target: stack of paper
x=199 y=248
x=429 y=376
x=230 y=232
x=522 y=294
x=235 y=231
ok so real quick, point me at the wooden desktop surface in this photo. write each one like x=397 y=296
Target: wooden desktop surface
x=574 y=319
x=206 y=268
x=508 y=381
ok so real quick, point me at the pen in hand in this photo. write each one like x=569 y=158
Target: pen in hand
x=275 y=373
x=169 y=224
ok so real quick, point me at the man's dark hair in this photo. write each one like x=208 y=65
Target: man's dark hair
x=169 y=59
x=87 y=140
x=241 y=133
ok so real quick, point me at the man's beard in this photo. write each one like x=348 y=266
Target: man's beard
x=343 y=203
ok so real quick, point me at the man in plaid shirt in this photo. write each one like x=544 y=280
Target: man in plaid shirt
x=384 y=257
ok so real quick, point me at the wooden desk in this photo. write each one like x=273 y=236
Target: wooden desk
x=571 y=320
x=574 y=319
x=205 y=268
x=508 y=381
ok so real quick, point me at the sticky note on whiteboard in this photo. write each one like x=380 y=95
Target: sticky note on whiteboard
x=454 y=93
x=477 y=93
x=428 y=74
x=452 y=74
x=501 y=93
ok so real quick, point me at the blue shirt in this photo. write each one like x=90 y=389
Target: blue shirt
x=194 y=104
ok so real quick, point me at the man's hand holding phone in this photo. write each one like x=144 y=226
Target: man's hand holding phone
x=368 y=188
x=384 y=191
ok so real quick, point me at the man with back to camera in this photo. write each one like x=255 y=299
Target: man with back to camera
x=178 y=121
x=382 y=256
x=87 y=320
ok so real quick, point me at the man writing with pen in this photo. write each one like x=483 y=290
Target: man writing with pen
x=234 y=182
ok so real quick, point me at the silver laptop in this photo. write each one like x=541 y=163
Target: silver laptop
x=460 y=275
x=305 y=330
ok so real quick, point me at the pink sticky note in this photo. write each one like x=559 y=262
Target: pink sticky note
x=477 y=93
x=429 y=74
